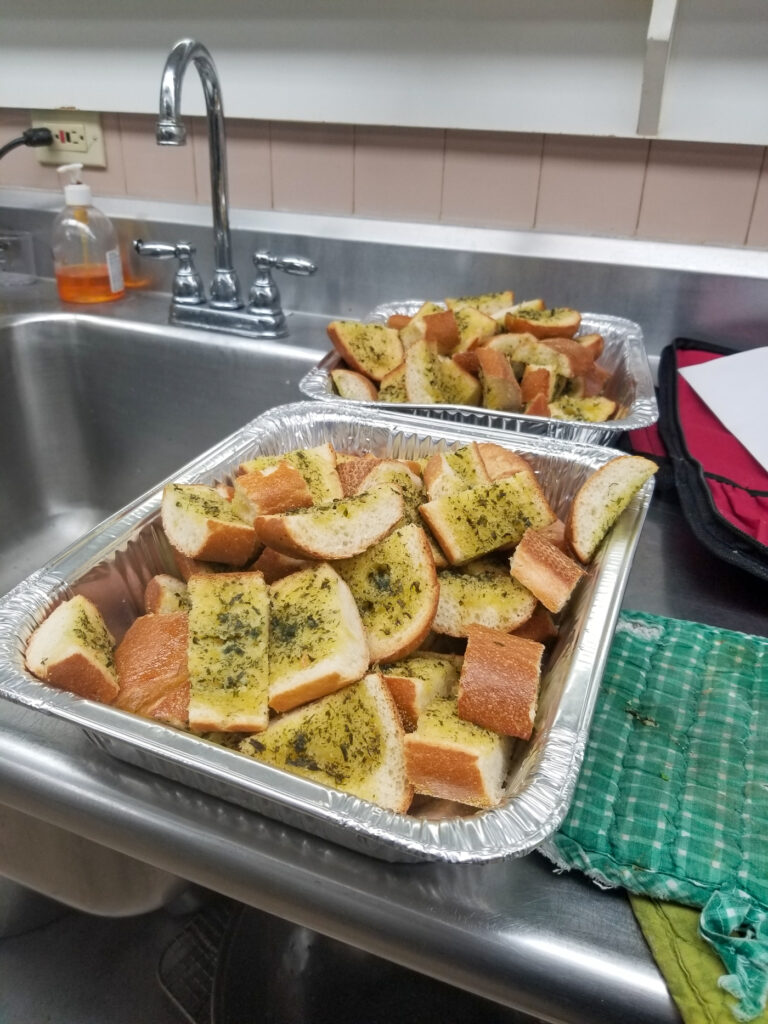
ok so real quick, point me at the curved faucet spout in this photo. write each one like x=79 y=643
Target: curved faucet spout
x=170 y=131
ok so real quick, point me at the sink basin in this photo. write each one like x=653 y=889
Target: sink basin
x=94 y=410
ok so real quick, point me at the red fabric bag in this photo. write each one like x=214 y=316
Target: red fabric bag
x=723 y=489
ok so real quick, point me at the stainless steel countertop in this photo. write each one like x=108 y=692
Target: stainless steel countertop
x=552 y=945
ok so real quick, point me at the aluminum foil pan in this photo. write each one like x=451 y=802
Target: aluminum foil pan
x=631 y=385
x=112 y=564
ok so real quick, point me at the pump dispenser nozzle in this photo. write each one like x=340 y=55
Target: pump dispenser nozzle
x=75 y=193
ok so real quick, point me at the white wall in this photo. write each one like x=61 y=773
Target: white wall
x=555 y=66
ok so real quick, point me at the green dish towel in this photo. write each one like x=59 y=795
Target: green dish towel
x=672 y=800
x=690 y=966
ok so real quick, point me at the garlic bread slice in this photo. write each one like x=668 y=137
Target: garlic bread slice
x=73 y=650
x=371 y=349
x=417 y=680
x=316 y=465
x=394 y=585
x=452 y=759
x=202 y=524
x=316 y=639
x=482 y=593
x=338 y=529
x=601 y=499
x=475 y=522
x=227 y=652
x=351 y=740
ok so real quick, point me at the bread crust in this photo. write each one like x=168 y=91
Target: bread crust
x=500 y=462
x=579 y=356
x=538 y=381
x=353 y=471
x=594 y=343
x=189 y=567
x=499 y=683
x=264 y=492
x=441 y=328
x=543 y=568
x=79 y=675
x=447 y=772
x=273 y=566
x=353 y=385
x=227 y=543
x=151 y=662
x=539 y=406
x=540 y=627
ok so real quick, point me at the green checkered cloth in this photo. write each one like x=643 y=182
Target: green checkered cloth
x=672 y=800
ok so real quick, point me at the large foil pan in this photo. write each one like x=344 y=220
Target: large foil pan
x=630 y=386
x=113 y=563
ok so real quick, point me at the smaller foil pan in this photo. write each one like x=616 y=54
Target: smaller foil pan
x=112 y=564
x=630 y=386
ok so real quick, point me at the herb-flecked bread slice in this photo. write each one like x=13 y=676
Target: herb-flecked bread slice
x=600 y=501
x=317 y=643
x=411 y=486
x=227 y=652
x=559 y=322
x=483 y=593
x=201 y=523
x=267 y=491
x=417 y=680
x=317 y=466
x=475 y=522
x=452 y=759
x=394 y=585
x=351 y=740
x=339 y=529
x=431 y=378
x=489 y=303
x=371 y=349
x=589 y=410
x=392 y=386
x=165 y=594
x=353 y=385
x=451 y=472
x=73 y=650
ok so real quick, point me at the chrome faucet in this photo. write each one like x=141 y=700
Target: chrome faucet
x=224 y=310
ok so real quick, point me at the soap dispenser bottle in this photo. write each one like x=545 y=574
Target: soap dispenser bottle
x=86 y=254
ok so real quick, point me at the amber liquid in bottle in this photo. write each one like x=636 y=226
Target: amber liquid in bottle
x=86 y=282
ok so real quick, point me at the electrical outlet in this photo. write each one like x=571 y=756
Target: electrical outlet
x=77 y=137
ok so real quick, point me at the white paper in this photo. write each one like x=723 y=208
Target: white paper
x=736 y=390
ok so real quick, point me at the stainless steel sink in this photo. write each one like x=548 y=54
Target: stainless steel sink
x=95 y=409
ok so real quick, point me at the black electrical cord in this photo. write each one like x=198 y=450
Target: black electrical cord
x=31 y=137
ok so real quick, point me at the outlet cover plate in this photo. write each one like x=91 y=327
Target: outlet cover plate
x=77 y=134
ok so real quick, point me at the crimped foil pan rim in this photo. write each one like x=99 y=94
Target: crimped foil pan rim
x=317 y=385
x=512 y=830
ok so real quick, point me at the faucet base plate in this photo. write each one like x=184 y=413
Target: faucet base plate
x=244 y=322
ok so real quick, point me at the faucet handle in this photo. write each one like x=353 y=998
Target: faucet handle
x=188 y=289
x=290 y=264
x=264 y=294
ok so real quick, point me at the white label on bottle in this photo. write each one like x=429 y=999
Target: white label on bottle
x=115 y=270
